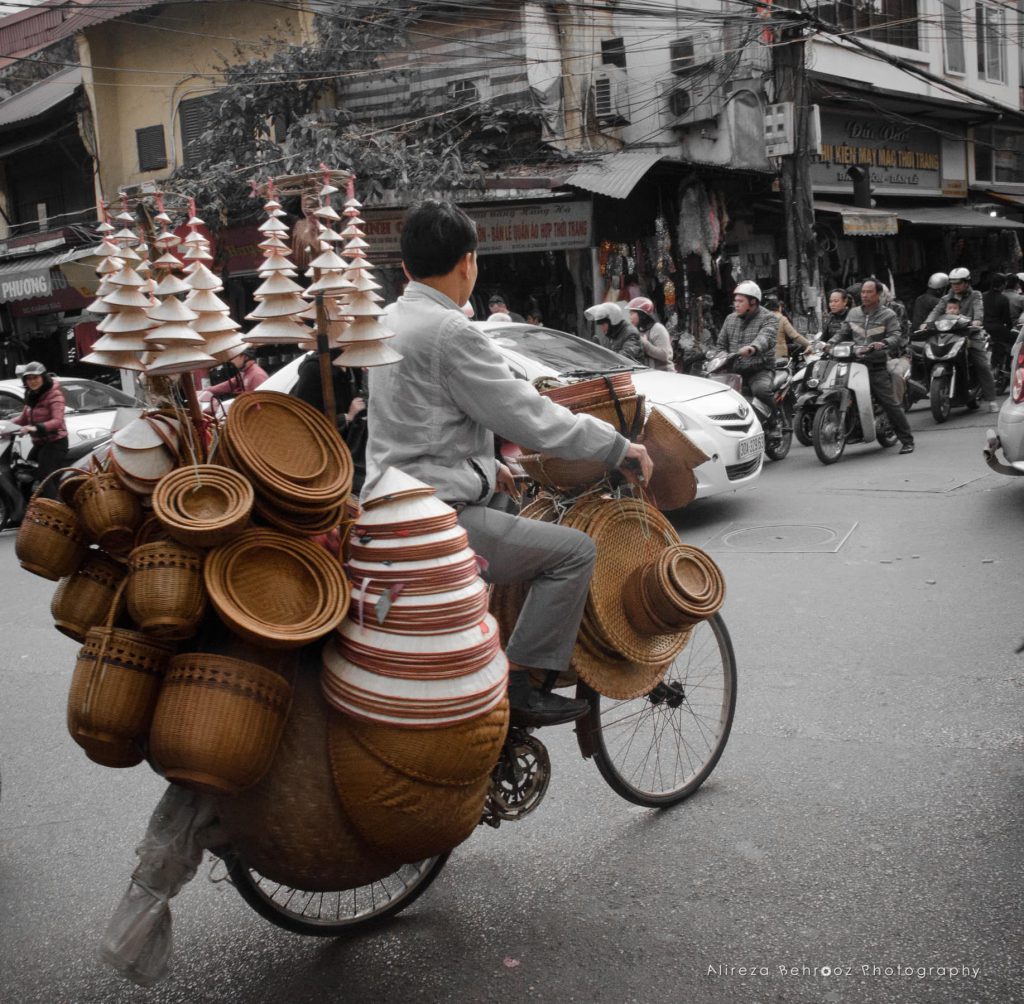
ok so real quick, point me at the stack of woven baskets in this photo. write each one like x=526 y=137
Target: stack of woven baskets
x=418 y=672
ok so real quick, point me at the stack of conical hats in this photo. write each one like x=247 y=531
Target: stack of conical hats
x=278 y=313
x=419 y=649
x=176 y=347
x=364 y=340
x=327 y=269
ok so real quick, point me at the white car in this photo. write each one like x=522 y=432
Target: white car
x=713 y=416
x=91 y=407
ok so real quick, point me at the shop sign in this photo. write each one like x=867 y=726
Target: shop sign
x=545 y=226
x=238 y=249
x=875 y=225
x=954 y=188
x=33 y=282
x=55 y=296
x=901 y=157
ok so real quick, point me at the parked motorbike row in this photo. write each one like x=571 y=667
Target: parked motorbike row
x=823 y=398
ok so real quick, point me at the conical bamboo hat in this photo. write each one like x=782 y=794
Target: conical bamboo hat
x=129 y=320
x=124 y=342
x=115 y=360
x=179 y=360
x=202 y=278
x=171 y=285
x=211 y=322
x=366 y=354
x=174 y=332
x=276 y=284
x=277 y=306
x=125 y=296
x=205 y=301
x=171 y=309
x=277 y=329
x=127 y=276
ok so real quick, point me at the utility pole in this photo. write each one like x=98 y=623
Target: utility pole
x=789 y=73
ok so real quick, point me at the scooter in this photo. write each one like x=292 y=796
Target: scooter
x=778 y=431
x=809 y=370
x=844 y=411
x=952 y=382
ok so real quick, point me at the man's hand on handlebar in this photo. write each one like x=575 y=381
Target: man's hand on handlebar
x=747 y=351
x=638 y=467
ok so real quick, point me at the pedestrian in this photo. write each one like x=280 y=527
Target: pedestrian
x=1013 y=294
x=654 y=337
x=787 y=333
x=874 y=325
x=497 y=305
x=42 y=418
x=972 y=306
x=443 y=403
x=247 y=375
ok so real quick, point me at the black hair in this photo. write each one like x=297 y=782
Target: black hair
x=771 y=302
x=435 y=235
x=844 y=293
x=997 y=282
x=879 y=285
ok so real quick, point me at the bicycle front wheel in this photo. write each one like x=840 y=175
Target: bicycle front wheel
x=658 y=749
x=330 y=914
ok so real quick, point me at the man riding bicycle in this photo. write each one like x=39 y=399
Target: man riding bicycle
x=434 y=415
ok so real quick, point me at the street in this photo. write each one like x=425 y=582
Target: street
x=860 y=840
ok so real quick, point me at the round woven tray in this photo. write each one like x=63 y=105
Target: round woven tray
x=290 y=826
x=203 y=505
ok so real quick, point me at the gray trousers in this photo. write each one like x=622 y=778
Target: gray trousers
x=557 y=561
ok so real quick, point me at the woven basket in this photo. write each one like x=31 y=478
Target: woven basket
x=290 y=826
x=398 y=816
x=203 y=505
x=165 y=589
x=218 y=722
x=110 y=513
x=627 y=419
x=50 y=541
x=673 y=484
x=83 y=599
x=113 y=691
x=553 y=472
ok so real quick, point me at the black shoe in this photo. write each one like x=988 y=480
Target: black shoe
x=529 y=706
x=907 y=448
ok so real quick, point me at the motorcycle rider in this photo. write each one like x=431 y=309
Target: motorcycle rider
x=751 y=331
x=839 y=304
x=613 y=331
x=654 y=337
x=972 y=306
x=787 y=333
x=1013 y=294
x=938 y=283
x=42 y=418
x=877 y=326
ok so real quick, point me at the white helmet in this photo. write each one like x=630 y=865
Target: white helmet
x=750 y=289
x=960 y=275
x=610 y=312
x=938 y=281
x=1020 y=278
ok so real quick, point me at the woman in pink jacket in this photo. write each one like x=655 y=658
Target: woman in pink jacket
x=43 y=420
x=248 y=375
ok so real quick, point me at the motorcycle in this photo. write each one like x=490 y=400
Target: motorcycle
x=18 y=475
x=778 y=431
x=809 y=370
x=952 y=382
x=844 y=410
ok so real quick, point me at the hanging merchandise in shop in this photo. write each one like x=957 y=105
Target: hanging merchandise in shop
x=703 y=221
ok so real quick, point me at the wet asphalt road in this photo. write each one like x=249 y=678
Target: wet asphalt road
x=860 y=840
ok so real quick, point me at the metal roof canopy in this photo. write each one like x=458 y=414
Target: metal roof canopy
x=953 y=216
x=40 y=98
x=616 y=174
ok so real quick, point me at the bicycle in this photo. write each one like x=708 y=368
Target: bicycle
x=655 y=751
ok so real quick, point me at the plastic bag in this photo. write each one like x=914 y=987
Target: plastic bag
x=138 y=939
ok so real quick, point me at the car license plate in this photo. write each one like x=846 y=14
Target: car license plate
x=752 y=447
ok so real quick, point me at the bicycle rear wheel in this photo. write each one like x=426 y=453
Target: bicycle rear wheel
x=658 y=749
x=330 y=914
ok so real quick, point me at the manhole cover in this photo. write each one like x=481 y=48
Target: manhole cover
x=930 y=482
x=779 y=537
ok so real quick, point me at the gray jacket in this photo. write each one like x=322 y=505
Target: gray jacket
x=759 y=328
x=971 y=306
x=882 y=325
x=433 y=415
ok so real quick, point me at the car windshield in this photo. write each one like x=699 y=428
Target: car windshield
x=563 y=352
x=90 y=395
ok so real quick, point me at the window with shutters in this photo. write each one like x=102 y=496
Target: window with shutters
x=152 y=149
x=196 y=116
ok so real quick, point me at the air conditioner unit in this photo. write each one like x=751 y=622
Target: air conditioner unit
x=684 y=103
x=611 y=96
x=688 y=53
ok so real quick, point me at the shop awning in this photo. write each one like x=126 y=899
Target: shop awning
x=860 y=222
x=954 y=216
x=615 y=174
x=1011 y=198
x=39 y=98
x=27 y=278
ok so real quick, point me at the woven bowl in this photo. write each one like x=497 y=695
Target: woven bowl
x=203 y=505
x=218 y=722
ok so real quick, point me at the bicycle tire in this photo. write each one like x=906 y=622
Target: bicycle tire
x=657 y=750
x=274 y=900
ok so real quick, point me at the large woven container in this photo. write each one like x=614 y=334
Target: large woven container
x=673 y=484
x=411 y=818
x=110 y=512
x=218 y=722
x=165 y=589
x=290 y=826
x=83 y=599
x=113 y=691
x=50 y=541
